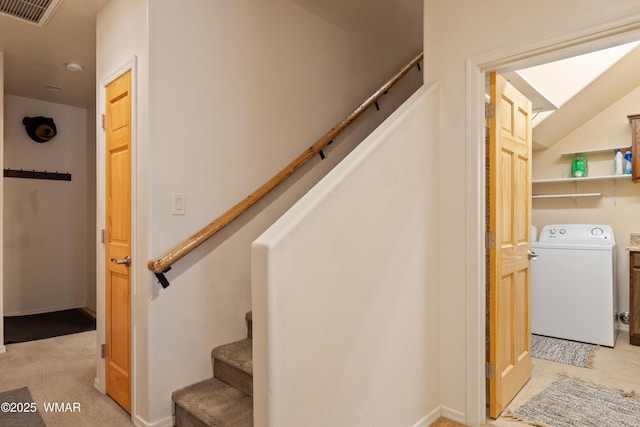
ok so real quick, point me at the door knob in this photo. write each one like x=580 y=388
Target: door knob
x=532 y=255
x=126 y=261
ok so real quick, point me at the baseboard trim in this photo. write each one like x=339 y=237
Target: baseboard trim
x=90 y=311
x=165 y=422
x=456 y=416
x=97 y=384
x=3 y=349
x=429 y=419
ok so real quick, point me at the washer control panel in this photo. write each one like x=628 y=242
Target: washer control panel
x=588 y=234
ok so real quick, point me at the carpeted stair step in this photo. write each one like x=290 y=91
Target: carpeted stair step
x=233 y=365
x=212 y=403
x=225 y=400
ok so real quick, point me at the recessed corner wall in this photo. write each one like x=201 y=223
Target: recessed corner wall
x=45 y=221
x=344 y=286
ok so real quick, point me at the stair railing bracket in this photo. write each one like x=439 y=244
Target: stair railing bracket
x=162 y=278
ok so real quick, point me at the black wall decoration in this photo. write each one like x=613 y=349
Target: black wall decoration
x=40 y=129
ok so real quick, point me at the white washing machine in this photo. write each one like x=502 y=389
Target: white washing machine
x=573 y=294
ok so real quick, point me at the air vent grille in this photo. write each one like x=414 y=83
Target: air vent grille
x=35 y=12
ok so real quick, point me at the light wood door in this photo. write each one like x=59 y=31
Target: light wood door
x=510 y=225
x=118 y=240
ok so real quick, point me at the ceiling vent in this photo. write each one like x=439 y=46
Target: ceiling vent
x=36 y=12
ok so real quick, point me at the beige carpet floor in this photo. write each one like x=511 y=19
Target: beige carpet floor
x=61 y=370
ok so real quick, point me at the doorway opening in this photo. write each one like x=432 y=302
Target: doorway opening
x=570 y=107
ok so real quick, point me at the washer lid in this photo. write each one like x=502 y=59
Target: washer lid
x=582 y=235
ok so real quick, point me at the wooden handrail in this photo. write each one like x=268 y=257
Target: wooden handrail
x=163 y=264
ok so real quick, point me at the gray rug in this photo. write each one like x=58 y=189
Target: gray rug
x=563 y=351
x=16 y=409
x=569 y=402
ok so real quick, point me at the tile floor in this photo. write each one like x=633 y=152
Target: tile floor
x=617 y=367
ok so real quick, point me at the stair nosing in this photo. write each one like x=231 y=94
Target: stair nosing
x=245 y=346
x=202 y=412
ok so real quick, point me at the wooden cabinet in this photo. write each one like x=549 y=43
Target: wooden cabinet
x=635 y=147
x=634 y=298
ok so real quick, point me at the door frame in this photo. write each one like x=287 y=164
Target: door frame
x=99 y=382
x=2 y=347
x=610 y=31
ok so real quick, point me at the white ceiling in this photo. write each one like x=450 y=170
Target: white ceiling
x=391 y=23
x=571 y=75
x=35 y=57
x=567 y=93
x=617 y=81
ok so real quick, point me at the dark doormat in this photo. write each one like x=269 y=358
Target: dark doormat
x=46 y=325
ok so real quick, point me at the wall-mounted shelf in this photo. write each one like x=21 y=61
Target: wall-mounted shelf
x=586 y=178
x=575 y=196
x=569 y=195
x=599 y=150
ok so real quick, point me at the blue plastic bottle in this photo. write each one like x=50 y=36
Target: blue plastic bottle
x=627 y=162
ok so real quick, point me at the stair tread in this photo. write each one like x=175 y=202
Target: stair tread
x=214 y=403
x=238 y=354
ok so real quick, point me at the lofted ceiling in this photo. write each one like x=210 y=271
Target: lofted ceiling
x=617 y=80
x=35 y=58
x=569 y=92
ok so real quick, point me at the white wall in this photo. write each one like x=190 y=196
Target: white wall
x=620 y=200
x=233 y=91
x=345 y=293
x=269 y=79
x=494 y=33
x=45 y=221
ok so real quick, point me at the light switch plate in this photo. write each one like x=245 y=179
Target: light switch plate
x=177 y=204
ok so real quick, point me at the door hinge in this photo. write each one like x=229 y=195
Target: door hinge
x=103 y=118
x=489 y=240
x=102 y=235
x=103 y=351
x=490 y=370
x=489 y=110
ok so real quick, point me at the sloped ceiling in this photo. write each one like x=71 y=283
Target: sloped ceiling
x=35 y=57
x=616 y=82
x=394 y=25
